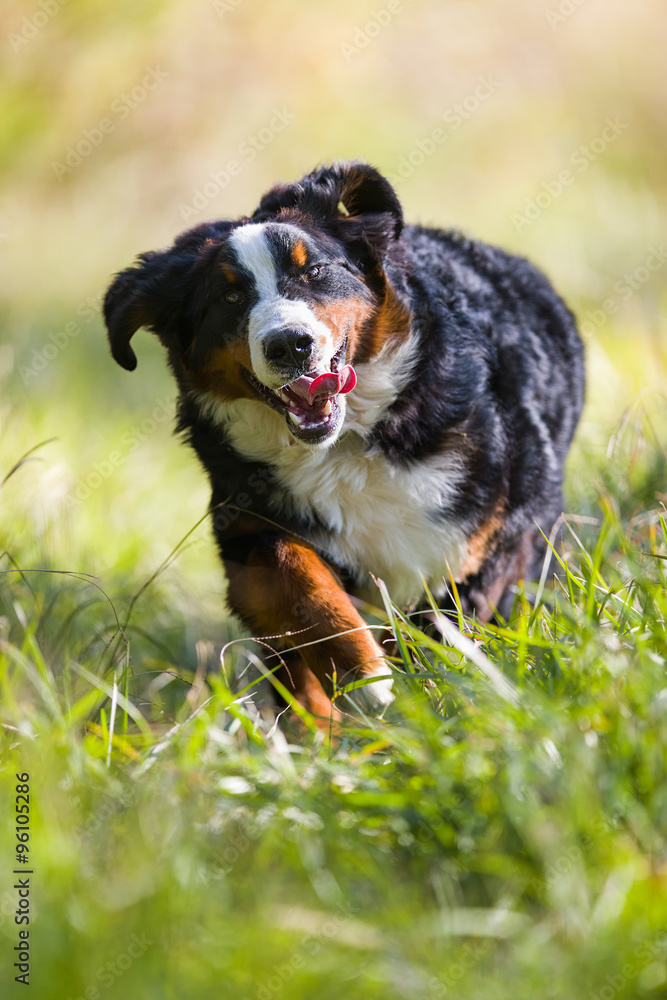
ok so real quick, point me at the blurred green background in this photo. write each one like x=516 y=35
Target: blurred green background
x=117 y=119
x=540 y=126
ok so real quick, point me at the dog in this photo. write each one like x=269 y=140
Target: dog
x=367 y=398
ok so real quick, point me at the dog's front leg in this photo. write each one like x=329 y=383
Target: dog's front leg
x=278 y=585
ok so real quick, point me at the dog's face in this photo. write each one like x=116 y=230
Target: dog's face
x=284 y=307
x=273 y=308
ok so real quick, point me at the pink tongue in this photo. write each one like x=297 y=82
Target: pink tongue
x=324 y=386
x=349 y=378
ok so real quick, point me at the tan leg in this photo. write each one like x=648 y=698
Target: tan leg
x=285 y=587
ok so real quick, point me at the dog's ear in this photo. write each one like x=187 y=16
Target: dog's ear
x=352 y=199
x=133 y=300
x=152 y=294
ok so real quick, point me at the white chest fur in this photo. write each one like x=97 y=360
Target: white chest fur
x=379 y=518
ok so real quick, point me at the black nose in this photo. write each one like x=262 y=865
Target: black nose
x=289 y=348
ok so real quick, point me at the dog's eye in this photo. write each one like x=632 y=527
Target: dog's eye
x=313 y=272
x=234 y=297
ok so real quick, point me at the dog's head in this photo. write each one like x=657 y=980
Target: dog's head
x=276 y=308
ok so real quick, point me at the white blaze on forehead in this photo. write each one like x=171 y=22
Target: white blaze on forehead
x=273 y=312
x=253 y=252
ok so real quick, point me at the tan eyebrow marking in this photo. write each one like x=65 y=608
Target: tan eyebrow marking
x=299 y=253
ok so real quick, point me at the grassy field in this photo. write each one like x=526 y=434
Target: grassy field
x=501 y=832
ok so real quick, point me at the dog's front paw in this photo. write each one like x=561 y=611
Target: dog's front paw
x=375 y=694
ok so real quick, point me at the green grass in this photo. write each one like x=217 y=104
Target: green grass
x=486 y=839
x=500 y=833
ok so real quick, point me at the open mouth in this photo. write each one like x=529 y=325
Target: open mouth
x=310 y=402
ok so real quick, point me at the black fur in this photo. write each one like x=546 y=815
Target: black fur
x=499 y=377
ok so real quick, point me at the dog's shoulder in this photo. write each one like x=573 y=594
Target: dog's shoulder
x=491 y=336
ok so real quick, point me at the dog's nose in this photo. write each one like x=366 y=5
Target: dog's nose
x=290 y=349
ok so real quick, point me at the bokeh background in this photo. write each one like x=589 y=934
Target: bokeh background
x=117 y=119
x=540 y=125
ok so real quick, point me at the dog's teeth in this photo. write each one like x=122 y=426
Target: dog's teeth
x=296 y=418
x=328 y=408
x=285 y=398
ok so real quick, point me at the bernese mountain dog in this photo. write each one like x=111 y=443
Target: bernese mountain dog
x=368 y=398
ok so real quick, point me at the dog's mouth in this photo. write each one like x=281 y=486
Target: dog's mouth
x=310 y=402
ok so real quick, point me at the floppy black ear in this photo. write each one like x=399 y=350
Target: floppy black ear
x=132 y=301
x=152 y=293
x=352 y=198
